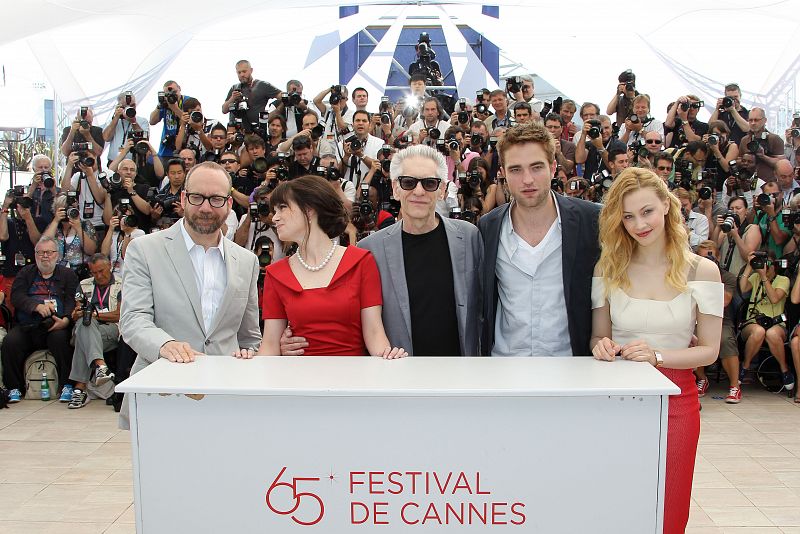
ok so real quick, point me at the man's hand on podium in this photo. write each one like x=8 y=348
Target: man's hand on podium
x=244 y=354
x=292 y=346
x=178 y=351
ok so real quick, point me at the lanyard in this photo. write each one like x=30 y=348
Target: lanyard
x=101 y=299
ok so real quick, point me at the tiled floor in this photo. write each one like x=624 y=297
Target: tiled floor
x=70 y=470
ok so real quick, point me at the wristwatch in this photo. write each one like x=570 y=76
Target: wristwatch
x=659 y=359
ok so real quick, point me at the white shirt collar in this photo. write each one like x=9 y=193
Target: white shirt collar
x=509 y=225
x=190 y=244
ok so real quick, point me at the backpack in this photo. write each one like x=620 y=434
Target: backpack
x=41 y=361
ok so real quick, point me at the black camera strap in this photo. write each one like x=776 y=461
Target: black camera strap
x=729 y=254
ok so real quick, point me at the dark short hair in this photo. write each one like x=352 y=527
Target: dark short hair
x=301 y=142
x=554 y=117
x=614 y=152
x=190 y=103
x=522 y=105
x=315 y=193
x=719 y=126
x=219 y=126
x=694 y=146
x=254 y=140
x=734 y=199
x=280 y=119
x=353 y=92
x=416 y=78
x=666 y=156
x=176 y=161
x=453 y=131
x=361 y=112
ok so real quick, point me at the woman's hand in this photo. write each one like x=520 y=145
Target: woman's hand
x=639 y=351
x=393 y=353
x=606 y=350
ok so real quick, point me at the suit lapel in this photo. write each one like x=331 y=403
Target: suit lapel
x=176 y=247
x=458 y=259
x=569 y=243
x=393 y=248
x=232 y=281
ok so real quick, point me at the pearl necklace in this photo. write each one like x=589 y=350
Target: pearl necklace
x=321 y=265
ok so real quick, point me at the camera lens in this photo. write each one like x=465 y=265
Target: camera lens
x=259 y=165
x=727 y=102
x=763 y=199
x=634 y=118
x=713 y=139
x=705 y=193
x=130 y=112
x=196 y=116
x=434 y=133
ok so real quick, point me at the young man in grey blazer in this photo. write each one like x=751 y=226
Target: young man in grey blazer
x=188 y=290
x=429 y=266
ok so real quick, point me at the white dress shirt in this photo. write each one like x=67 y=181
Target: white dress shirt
x=698 y=228
x=531 y=309
x=210 y=274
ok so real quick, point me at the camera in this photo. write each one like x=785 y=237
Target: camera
x=713 y=139
x=763 y=200
x=129 y=112
x=291 y=99
x=492 y=141
x=790 y=217
x=386 y=150
x=47 y=180
x=385 y=105
x=476 y=140
x=434 y=133
x=514 y=84
x=629 y=79
x=455 y=213
x=685 y=168
x=259 y=209
x=196 y=117
x=386 y=118
x=329 y=173
x=259 y=165
x=686 y=106
x=84 y=300
x=364 y=205
x=481 y=109
x=83 y=149
x=753 y=146
x=84 y=113
x=727 y=102
x=634 y=118
x=109 y=184
x=453 y=144
x=336 y=94
x=317 y=131
x=71 y=207
x=167 y=97
x=603 y=179
x=795 y=132
x=594 y=132
x=731 y=221
x=355 y=143
x=705 y=192
x=766 y=322
x=18 y=192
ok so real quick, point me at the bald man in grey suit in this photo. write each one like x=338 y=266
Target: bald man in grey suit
x=187 y=290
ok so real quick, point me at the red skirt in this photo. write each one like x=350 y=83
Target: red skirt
x=683 y=431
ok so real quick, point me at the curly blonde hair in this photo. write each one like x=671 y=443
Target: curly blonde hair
x=616 y=243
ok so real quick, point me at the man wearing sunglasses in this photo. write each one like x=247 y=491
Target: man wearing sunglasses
x=202 y=296
x=429 y=266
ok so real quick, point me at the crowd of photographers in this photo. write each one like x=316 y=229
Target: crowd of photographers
x=736 y=182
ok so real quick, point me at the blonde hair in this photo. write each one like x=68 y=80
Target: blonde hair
x=617 y=245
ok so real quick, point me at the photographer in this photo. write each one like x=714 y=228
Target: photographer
x=742 y=181
x=130 y=189
x=432 y=119
x=523 y=112
x=520 y=89
x=764 y=319
x=123 y=121
x=304 y=161
x=42 y=189
x=479 y=139
x=346 y=189
x=366 y=215
x=682 y=126
x=721 y=153
x=254 y=148
x=43 y=296
x=729 y=110
x=696 y=223
x=123 y=227
x=456 y=153
x=663 y=165
x=565 y=150
x=169 y=109
x=593 y=153
x=383 y=122
x=277 y=134
x=735 y=237
x=83 y=131
x=290 y=106
x=189 y=158
x=501 y=116
x=168 y=201
x=785 y=177
x=191 y=131
x=792 y=136
x=764 y=145
x=486 y=186
x=768 y=206
x=622 y=102
x=148 y=167
x=312 y=132
x=96 y=328
x=76 y=238
x=567 y=112
x=91 y=194
x=729 y=350
x=689 y=161
x=339 y=117
x=218 y=136
x=359 y=149
x=638 y=123
x=19 y=230
x=425 y=64
x=576 y=188
x=249 y=97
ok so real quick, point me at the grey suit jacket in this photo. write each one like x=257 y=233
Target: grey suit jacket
x=160 y=301
x=466 y=255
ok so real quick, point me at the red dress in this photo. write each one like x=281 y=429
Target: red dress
x=328 y=317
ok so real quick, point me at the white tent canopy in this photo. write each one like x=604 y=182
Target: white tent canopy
x=89 y=50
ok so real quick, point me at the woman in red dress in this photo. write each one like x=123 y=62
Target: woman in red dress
x=329 y=294
x=650 y=294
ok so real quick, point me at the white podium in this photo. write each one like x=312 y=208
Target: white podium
x=346 y=445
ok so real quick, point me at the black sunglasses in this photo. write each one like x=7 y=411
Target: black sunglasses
x=409 y=183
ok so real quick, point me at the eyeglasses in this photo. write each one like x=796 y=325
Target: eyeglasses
x=215 y=201
x=653 y=141
x=44 y=253
x=409 y=183
x=224 y=161
x=664 y=168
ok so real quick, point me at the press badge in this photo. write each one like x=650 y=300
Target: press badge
x=88 y=210
x=19 y=259
x=53 y=302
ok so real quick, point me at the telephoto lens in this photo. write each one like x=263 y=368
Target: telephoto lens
x=434 y=133
x=196 y=116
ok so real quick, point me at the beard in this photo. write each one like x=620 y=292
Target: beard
x=205 y=224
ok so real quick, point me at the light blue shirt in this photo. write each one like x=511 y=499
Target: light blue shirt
x=531 y=309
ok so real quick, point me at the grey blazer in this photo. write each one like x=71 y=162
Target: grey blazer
x=160 y=301
x=466 y=254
